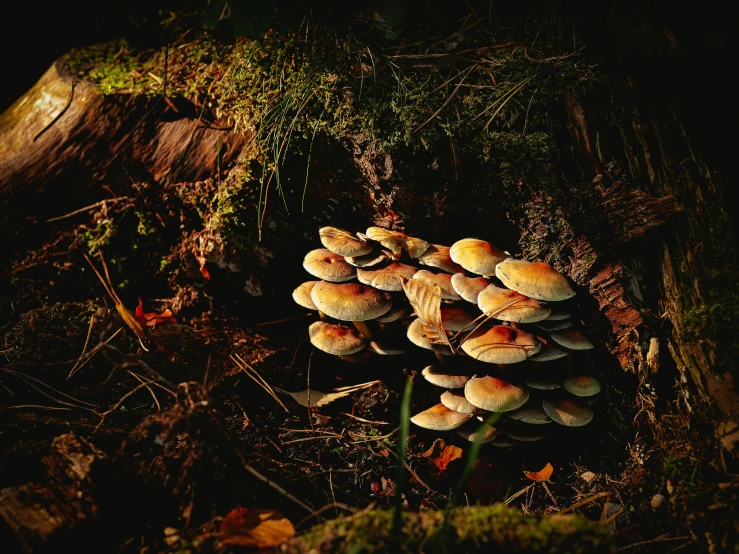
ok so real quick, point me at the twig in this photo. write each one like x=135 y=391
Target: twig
x=118 y=404
x=90 y=207
x=653 y=541
x=154 y=396
x=95 y=350
x=257 y=378
x=582 y=503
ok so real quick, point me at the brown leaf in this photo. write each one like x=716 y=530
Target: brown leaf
x=425 y=298
x=152 y=318
x=256 y=528
x=542 y=475
x=441 y=455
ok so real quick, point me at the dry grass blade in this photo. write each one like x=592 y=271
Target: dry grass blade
x=257 y=378
x=95 y=350
x=485 y=317
x=426 y=301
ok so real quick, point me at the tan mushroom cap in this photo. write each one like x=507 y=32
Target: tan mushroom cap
x=343 y=242
x=335 y=339
x=525 y=436
x=572 y=340
x=440 y=418
x=385 y=348
x=392 y=240
x=416 y=335
x=394 y=314
x=568 y=412
x=548 y=353
x=530 y=413
x=301 y=295
x=415 y=246
x=521 y=309
x=441 y=280
x=469 y=430
x=558 y=314
x=500 y=345
x=350 y=301
x=369 y=260
x=438 y=256
x=389 y=278
x=469 y=287
x=361 y=357
x=494 y=395
x=541 y=384
x=536 y=280
x=455 y=318
x=475 y=255
x=443 y=377
x=554 y=325
x=457 y=402
x=582 y=385
x=328 y=266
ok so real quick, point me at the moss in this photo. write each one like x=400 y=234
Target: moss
x=98 y=237
x=476 y=529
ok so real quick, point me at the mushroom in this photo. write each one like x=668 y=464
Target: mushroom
x=475 y=255
x=468 y=287
x=541 y=384
x=558 y=314
x=458 y=403
x=392 y=240
x=469 y=431
x=554 y=325
x=335 y=339
x=442 y=280
x=369 y=260
x=582 y=385
x=567 y=412
x=500 y=345
x=351 y=302
x=393 y=315
x=416 y=335
x=547 y=353
x=503 y=441
x=494 y=395
x=530 y=413
x=416 y=247
x=389 y=278
x=572 y=339
x=525 y=435
x=328 y=266
x=519 y=308
x=444 y=377
x=301 y=295
x=385 y=348
x=343 y=242
x=440 y=418
x=437 y=256
x=536 y=280
x=455 y=318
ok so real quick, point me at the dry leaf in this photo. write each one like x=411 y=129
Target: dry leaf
x=152 y=318
x=441 y=455
x=542 y=475
x=318 y=398
x=256 y=528
x=426 y=301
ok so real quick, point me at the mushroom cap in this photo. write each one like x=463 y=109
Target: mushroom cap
x=442 y=280
x=368 y=260
x=558 y=314
x=525 y=435
x=554 y=325
x=350 y=301
x=328 y=266
x=443 y=377
x=440 y=418
x=469 y=430
x=332 y=338
x=415 y=246
x=416 y=335
x=494 y=395
x=301 y=295
x=361 y=357
x=389 y=278
x=540 y=384
x=343 y=242
x=536 y=280
x=438 y=256
x=548 y=353
x=394 y=314
x=500 y=345
x=503 y=441
x=475 y=255
x=385 y=348
x=530 y=413
x=455 y=318
x=582 y=385
x=392 y=240
x=568 y=412
x=572 y=339
x=468 y=287
x=457 y=402
x=521 y=309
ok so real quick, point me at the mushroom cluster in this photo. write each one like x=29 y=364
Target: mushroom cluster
x=490 y=320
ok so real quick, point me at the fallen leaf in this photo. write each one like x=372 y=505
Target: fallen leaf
x=542 y=475
x=152 y=318
x=318 y=398
x=441 y=455
x=256 y=528
x=426 y=301
x=587 y=476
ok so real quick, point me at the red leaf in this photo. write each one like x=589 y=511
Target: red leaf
x=152 y=318
x=441 y=456
x=256 y=528
x=542 y=475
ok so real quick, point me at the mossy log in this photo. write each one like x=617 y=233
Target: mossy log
x=475 y=529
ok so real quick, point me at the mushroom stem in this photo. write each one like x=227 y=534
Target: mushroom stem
x=440 y=357
x=514 y=324
x=363 y=328
x=323 y=316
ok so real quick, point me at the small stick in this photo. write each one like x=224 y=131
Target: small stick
x=154 y=396
x=585 y=502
